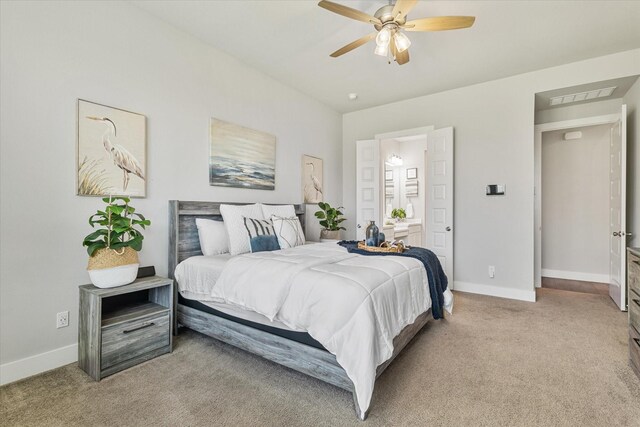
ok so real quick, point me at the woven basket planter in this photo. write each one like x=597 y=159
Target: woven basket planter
x=109 y=268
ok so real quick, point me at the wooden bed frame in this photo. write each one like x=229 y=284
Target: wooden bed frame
x=320 y=364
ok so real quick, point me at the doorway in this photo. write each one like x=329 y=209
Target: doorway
x=579 y=206
x=404 y=194
x=437 y=222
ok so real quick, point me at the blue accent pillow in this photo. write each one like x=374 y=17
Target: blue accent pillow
x=264 y=243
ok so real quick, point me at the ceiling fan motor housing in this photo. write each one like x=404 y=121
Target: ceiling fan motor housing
x=385 y=15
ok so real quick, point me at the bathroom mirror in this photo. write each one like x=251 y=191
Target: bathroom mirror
x=391 y=189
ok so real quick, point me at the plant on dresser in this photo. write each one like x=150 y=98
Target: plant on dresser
x=113 y=248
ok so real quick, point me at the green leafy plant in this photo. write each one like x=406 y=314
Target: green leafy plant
x=118 y=224
x=398 y=214
x=330 y=218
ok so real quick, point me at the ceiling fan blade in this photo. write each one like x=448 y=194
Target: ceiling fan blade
x=439 y=23
x=353 y=45
x=349 y=12
x=402 y=57
x=401 y=8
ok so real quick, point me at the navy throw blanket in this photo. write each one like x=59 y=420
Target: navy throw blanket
x=437 y=279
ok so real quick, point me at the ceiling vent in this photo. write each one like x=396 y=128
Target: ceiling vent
x=582 y=96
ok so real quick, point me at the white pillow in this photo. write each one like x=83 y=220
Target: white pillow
x=213 y=237
x=237 y=232
x=288 y=230
x=285 y=211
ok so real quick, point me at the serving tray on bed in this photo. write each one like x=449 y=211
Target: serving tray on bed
x=394 y=249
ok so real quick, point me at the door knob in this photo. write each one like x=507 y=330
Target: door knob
x=448 y=228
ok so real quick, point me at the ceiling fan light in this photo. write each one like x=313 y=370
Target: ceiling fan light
x=384 y=37
x=402 y=41
x=382 y=50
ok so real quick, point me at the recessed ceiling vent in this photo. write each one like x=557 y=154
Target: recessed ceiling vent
x=582 y=96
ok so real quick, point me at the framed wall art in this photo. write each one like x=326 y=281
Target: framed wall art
x=312 y=179
x=241 y=157
x=111 y=151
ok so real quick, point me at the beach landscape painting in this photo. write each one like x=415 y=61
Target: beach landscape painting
x=241 y=157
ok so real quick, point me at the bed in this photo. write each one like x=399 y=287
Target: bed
x=278 y=340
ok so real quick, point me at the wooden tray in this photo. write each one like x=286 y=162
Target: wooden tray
x=364 y=247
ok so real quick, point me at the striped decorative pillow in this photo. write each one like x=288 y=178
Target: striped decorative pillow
x=262 y=236
x=289 y=231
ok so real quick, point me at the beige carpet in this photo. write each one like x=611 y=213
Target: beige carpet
x=561 y=361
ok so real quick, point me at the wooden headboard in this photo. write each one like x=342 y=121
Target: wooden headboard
x=183 y=234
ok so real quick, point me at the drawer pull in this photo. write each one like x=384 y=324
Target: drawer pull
x=144 y=325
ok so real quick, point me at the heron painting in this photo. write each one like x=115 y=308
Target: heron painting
x=111 y=151
x=312 y=179
x=241 y=157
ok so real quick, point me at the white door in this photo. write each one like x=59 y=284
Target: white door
x=367 y=185
x=439 y=221
x=617 y=211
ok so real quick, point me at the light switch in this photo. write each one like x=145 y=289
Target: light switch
x=495 y=190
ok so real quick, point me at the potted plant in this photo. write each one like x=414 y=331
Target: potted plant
x=330 y=220
x=398 y=214
x=113 y=247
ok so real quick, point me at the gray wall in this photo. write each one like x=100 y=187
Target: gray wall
x=575 y=201
x=632 y=99
x=494 y=131
x=116 y=54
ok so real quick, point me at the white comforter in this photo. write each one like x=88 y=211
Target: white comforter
x=353 y=305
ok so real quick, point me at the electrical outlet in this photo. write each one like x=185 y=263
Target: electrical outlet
x=62 y=319
x=492 y=271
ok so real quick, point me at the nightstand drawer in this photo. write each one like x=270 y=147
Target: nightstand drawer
x=634 y=348
x=634 y=273
x=133 y=338
x=634 y=309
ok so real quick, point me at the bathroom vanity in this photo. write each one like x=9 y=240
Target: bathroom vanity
x=410 y=231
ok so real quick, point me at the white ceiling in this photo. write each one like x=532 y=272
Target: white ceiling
x=291 y=41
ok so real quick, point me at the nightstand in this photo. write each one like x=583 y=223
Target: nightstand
x=123 y=326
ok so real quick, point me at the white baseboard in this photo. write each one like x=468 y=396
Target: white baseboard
x=23 y=368
x=576 y=275
x=495 y=291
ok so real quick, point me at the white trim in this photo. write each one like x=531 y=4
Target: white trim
x=537 y=177
x=585 y=121
x=495 y=291
x=32 y=365
x=404 y=133
x=576 y=275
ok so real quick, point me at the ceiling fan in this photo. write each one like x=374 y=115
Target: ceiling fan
x=389 y=22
